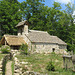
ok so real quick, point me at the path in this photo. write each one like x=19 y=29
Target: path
x=8 y=68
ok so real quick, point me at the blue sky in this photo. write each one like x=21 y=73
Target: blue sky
x=49 y=3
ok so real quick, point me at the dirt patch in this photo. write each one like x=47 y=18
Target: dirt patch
x=8 y=68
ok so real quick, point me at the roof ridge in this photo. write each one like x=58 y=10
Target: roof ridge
x=38 y=31
x=21 y=23
x=11 y=35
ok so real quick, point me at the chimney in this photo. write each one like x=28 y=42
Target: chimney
x=25 y=29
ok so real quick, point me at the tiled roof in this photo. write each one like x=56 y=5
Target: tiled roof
x=44 y=37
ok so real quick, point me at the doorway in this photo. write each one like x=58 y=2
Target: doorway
x=53 y=49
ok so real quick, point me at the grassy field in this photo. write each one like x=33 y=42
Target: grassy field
x=38 y=63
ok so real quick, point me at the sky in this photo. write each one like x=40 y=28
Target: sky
x=49 y=3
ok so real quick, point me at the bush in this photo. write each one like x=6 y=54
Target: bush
x=50 y=66
x=24 y=49
x=5 y=49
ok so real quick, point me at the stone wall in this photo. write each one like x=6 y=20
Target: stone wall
x=47 y=48
x=20 y=31
x=27 y=41
x=62 y=47
x=44 y=47
x=23 y=30
x=68 y=62
x=22 y=68
x=1 y=66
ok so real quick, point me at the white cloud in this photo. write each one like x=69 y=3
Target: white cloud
x=64 y=1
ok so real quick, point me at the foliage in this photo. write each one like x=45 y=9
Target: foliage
x=5 y=49
x=9 y=16
x=24 y=49
x=50 y=66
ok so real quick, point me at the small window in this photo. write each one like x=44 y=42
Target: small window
x=53 y=49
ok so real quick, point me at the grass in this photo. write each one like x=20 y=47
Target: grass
x=2 y=55
x=12 y=67
x=38 y=63
x=4 y=70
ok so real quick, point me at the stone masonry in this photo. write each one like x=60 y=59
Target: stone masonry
x=1 y=66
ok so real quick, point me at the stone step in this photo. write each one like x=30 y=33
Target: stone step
x=25 y=63
x=0 y=69
x=0 y=66
x=17 y=71
x=0 y=62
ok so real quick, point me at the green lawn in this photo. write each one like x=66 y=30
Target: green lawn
x=40 y=61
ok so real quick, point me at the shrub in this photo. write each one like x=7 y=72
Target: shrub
x=53 y=53
x=24 y=49
x=50 y=66
x=5 y=49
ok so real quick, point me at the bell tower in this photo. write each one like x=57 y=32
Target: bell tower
x=22 y=27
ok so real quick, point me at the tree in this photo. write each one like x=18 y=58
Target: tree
x=33 y=13
x=9 y=16
x=71 y=27
x=53 y=17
